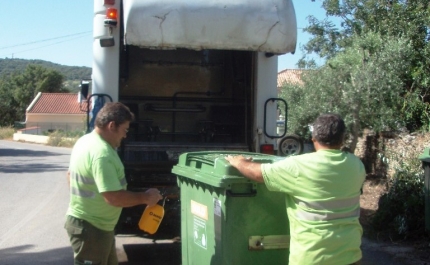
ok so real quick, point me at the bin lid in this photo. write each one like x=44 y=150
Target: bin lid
x=211 y=167
x=425 y=156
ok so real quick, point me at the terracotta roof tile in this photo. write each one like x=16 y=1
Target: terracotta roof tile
x=58 y=103
x=290 y=76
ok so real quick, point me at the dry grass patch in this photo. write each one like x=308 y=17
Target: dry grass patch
x=6 y=132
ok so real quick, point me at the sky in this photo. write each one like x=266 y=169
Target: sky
x=60 y=31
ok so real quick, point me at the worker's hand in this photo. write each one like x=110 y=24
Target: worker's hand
x=235 y=160
x=246 y=167
x=152 y=196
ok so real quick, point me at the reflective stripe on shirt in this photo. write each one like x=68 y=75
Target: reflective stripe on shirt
x=308 y=216
x=83 y=193
x=329 y=206
x=82 y=179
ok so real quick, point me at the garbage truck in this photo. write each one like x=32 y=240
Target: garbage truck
x=198 y=75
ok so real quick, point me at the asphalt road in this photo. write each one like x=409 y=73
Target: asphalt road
x=34 y=197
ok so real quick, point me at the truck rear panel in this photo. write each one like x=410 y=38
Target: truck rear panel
x=198 y=75
x=183 y=100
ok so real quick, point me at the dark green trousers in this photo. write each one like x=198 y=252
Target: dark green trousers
x=91 y=246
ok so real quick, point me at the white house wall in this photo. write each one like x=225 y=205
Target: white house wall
x=66 y=122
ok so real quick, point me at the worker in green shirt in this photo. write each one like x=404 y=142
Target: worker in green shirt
x=98 y=188
x=322 y=196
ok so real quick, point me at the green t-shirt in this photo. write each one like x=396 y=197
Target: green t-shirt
x=95 y=167
x=323 y=192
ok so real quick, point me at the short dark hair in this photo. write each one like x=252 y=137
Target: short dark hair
x=113 y=111
x=329 y=129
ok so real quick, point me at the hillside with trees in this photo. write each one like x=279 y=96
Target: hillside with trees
x=70 y=73
x=21 y=80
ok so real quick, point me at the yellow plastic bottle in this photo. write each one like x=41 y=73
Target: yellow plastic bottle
x=151 y=218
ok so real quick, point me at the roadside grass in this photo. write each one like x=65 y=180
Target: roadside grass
x=63 y=139
x=6 y=132
x=56 y=138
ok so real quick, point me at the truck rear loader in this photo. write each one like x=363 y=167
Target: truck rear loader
x=198 y=75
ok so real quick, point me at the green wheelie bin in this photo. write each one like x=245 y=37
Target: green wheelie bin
x=425 y=159
x=227 y=219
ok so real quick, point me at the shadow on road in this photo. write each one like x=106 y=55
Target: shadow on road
x=31 y=168
x=24 y=152
x=154 y=254
x=17 y=256
x=11 y=155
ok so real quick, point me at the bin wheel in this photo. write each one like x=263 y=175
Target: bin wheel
x=291 y=145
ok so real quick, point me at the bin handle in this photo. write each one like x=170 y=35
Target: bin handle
x=201 y=160
x=253 y=193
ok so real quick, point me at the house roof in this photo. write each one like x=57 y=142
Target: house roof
x=57 y=103
x=290 y=76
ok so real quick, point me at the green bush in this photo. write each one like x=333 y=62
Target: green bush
x=415 y=113
x=401 y=210
x=6 y=132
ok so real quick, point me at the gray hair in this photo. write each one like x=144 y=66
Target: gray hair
x=113 y=111
x=329 y=130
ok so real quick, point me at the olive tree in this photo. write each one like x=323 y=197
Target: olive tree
x=395 y=19
x=362 y=83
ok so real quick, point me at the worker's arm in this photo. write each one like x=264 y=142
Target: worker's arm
x=68 y=177
x=246 y=167
x=124 y=198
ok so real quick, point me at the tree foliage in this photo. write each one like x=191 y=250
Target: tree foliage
x=72 y=74
x=409 y=20
x=19 y=89
x=377 y=75
x=362 y=83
